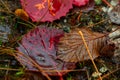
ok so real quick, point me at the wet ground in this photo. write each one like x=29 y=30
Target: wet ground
x=12 y=28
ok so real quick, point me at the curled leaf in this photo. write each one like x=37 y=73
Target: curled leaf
x=22 y=14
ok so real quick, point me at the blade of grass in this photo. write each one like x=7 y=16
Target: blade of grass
x=5 y=6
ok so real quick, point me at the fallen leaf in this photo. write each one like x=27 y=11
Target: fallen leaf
x=86 y=8
x=80 y=2
x=71 y=47
x=22 y=14
x=41 y=10
x=39 y=45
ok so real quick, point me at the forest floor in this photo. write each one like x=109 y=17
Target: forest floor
x=13 y=28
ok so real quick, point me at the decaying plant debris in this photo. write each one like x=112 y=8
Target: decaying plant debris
x=40 y=47
x=71 y=47
x=59 y=40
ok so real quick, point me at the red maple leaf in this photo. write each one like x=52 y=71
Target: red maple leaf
x=80 y=2
x=42 y=10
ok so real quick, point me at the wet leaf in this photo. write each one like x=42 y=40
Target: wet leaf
x=86 y=8
x=71 y=47
x=39 y=45
x=41 y=10
x=80 y=2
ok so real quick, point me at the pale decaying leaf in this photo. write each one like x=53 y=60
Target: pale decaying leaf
x=114 y=14
x=71 y=47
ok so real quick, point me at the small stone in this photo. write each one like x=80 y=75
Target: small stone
x=103 y=69
x=95 y=74
x=114 y=14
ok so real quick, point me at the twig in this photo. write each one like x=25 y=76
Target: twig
x=78 y=18
x=10 y=69
x=7 y=71
x=98 y=23
x=118 y=27
x=65 y=70
x=106 y=2
x=110 y=73
x=81 y=34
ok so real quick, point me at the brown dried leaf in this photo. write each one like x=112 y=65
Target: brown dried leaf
x=71 y=47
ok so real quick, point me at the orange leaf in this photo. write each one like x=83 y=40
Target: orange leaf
x=22 y=14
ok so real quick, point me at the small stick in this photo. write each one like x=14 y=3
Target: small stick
x=80 y=13
x=106 y=2
x=81 y=34
x=110 y=73
x=98 y=23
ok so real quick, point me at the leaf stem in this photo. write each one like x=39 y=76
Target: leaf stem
x=81 y=34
